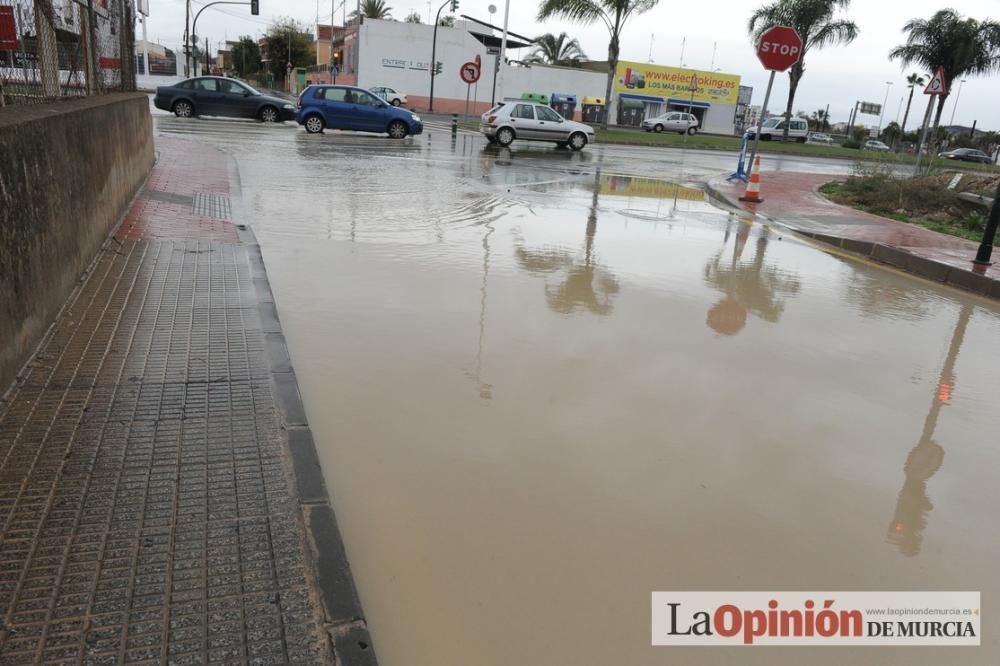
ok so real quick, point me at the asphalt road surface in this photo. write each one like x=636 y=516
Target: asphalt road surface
x=545 y=384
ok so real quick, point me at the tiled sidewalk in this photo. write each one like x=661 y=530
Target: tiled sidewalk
x=792 y=199
x=150 y=508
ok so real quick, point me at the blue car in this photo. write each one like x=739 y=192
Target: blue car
x=350 y=108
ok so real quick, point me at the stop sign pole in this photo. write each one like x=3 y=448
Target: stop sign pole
x=779 y=48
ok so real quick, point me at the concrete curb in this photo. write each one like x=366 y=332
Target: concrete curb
x=344 y=619
x=895 y=257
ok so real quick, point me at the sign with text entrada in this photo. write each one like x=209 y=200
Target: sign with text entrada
x=637 y=78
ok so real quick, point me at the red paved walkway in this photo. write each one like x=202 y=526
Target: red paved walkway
x=792 y=199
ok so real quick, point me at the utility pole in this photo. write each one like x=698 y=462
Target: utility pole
x=503 y=43
x=187 y=38
x=985 y=252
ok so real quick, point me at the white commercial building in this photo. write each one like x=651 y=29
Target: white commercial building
x=398 y=55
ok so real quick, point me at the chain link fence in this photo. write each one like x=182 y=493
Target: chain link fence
x=63 y=48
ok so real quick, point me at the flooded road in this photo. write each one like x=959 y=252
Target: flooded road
x=543 y=387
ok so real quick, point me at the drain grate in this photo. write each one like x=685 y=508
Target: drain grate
x=212 y=205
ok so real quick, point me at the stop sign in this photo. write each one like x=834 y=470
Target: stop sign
x=779 y=48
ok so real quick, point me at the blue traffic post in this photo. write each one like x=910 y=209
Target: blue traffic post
x=741 y=172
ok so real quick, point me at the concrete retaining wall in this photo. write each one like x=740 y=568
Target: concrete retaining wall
x=68 y=171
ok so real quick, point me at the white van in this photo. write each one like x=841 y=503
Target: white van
x=774 y=128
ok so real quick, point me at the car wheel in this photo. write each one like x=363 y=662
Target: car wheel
x=765 y=137
x=658 y=129
x=577 y=140
x=183 y=109
x=801 y=139
x=314 y=124
x=505 y=136
x=398 y=129
x=692 y=131
x=491 y=139
x=268 y=114
x=396 y=102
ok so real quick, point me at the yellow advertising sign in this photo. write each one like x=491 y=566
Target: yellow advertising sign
x=637 y=78
x=627 y=186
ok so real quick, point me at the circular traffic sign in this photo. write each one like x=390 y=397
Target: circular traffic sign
x=779 y=48
x=470 y=72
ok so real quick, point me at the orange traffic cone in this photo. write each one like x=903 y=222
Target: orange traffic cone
x=752 y=194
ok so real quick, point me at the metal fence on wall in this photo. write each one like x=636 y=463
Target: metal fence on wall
x=60 y=48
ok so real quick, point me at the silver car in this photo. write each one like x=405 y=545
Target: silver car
x=533 y=122
x=674 y=121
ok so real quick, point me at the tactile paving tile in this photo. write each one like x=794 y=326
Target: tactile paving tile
x=207 y=204
x=145 y=510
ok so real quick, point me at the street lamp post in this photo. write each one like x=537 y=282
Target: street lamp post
x=433 y=64
x=888 y=84
x=958 y=95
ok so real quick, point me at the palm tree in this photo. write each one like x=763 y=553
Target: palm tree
x=814 y=21
x=820 y=120
x=553 y=50
x=373 y=9
x=962 y=46
x=612 y=13
x=913 y=80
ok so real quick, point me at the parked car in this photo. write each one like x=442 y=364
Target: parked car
x=394 y=97
x=533 y=122
x=219 y=96
x=820 y=137
x=876 y=145
x=966 y=155
x=349 y=108
x=774 y=128
x=674 y=121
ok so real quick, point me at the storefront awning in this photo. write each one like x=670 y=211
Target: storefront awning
x=673 y=101
x=642 y=98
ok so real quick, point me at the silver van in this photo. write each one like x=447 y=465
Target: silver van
x=774 y=128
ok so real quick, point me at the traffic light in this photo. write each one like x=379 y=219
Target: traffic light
x=454 y=6
x=438 y=67
x=255 y=7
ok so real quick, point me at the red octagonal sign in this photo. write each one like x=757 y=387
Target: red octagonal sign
x=779 y=48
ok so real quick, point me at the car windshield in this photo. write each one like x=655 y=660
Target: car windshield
x=253 y=91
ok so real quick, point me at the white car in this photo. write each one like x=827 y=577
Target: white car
x=675 y=121
x=874 y=144
x=394 y=97
x=533 y=122
x=774 y=128
x=819 y=137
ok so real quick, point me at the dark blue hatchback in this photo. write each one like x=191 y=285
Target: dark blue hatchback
x=349 y=108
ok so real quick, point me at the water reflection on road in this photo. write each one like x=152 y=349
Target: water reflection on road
x=527 y=425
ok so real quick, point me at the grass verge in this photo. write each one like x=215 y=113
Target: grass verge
x=925 y=201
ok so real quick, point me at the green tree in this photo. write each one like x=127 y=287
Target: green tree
x=553 y=50
x=374 y=9
x=913 y=80
x=817 y=25
x=246 y=57
x=962 y=46
x=289 y=40
x=412 y=17
x=612 y=13
x=447 y=21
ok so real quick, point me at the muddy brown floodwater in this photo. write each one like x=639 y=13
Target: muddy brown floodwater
x=542 y=390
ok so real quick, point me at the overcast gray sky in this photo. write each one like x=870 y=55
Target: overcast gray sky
x=836 y=76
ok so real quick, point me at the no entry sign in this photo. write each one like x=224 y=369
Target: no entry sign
x=779 y=48
x=470 y=72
